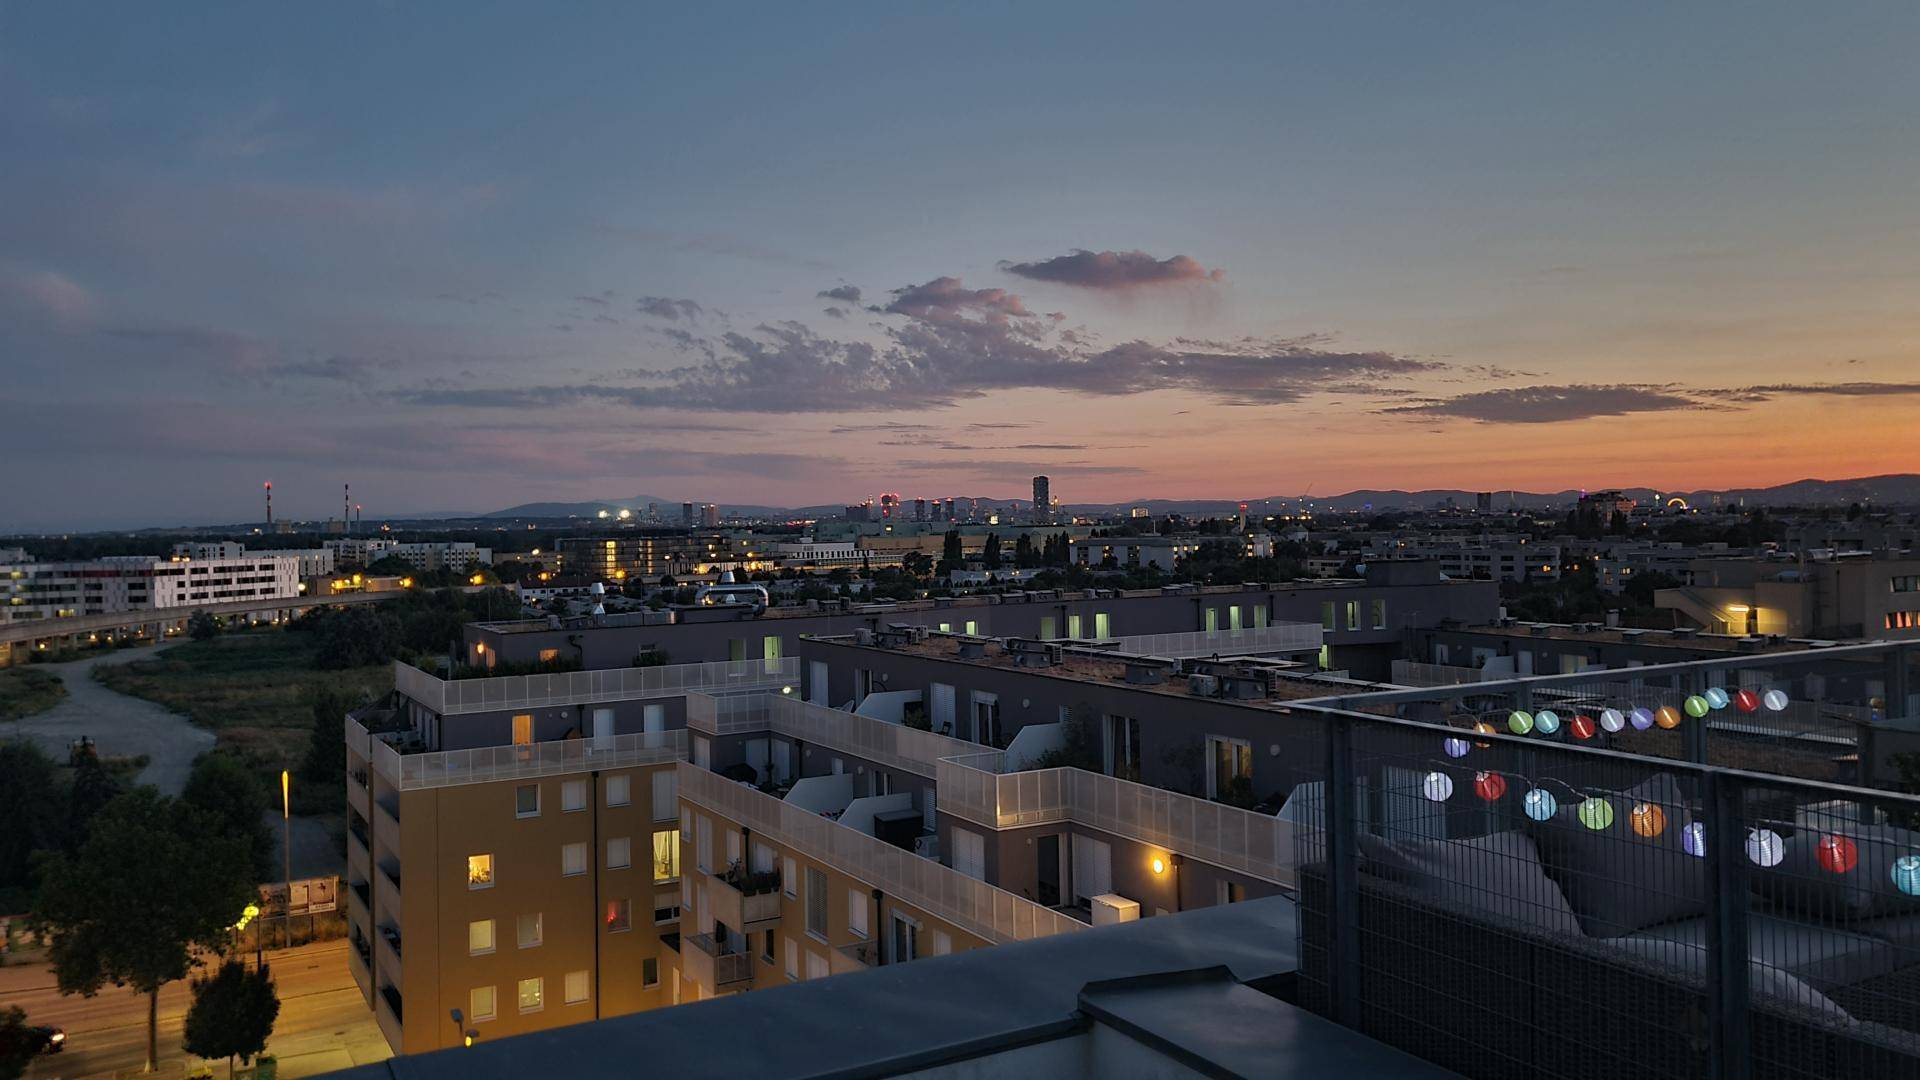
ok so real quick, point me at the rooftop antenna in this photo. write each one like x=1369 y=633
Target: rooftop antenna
x=269 y=505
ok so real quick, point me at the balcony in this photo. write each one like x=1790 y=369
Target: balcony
x=392 y=937
x=357 y=792
x=392 y=997
x=858 y=956
x=364 y=892
x=750 y=901
x=715 y=967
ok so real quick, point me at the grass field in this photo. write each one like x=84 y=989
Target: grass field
x=253 y=690
x=25 y=691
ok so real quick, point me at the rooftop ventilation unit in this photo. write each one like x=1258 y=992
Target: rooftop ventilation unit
x=1203 y=685
x=973 y=648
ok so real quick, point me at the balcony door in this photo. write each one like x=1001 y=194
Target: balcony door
x=905 y=939
x=602 y=729
x=1046 y=853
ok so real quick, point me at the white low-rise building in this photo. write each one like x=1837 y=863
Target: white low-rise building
x=111 y=586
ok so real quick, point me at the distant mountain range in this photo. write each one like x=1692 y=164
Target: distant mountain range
x=1899 y=489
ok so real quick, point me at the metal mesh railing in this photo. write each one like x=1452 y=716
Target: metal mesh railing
x=1508 y=906
x=1257 y=844
x=482 y=764
x=450 y=697
x=1277 y=637
x=892 y=745
x=966 y=902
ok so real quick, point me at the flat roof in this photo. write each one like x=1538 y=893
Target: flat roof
x=1633 y=635
x=901 y=1017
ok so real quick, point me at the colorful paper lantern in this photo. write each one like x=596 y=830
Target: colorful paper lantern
x=1668 y=717
x=1765 y=848
x=1489 y=786
x=1581 y=726
x=1648 y=819
x=1438 y=786
x=1519 y=722
x=1837 y=854
x=1697 y=706
x=1693 y=839
x=1546 y=721
x=1540 y=804
x=1642 y=719
x=1612 y=720
x=1717 y=698
x=1746 y=701
x=1596 y=813
x=1774 y=700
x=1906 y=874
x=1455 y=747
x=1484 y=728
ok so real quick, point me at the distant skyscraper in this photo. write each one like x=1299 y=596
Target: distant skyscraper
x=953 y=511
x=919 y=509
x=710 y=516
x=686 y=514
x=1042 y=500
x=889 y=506
x=1483 y=502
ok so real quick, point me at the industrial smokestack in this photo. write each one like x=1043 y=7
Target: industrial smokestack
x=269 y=505
x=346 y=508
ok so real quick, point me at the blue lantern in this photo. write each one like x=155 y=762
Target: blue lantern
x=1642 y=719
x=1541 y=805
x=1906 y=874
x=1717 y=697
x=1456 y=747
x=1546 y=721
x=1693 y=839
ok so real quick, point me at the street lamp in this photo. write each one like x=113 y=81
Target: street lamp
x=286 y=818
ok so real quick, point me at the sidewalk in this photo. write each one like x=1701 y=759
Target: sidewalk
x=324 y=1024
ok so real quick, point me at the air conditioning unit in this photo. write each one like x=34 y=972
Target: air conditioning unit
x=1110 y=908
x=1203 y=685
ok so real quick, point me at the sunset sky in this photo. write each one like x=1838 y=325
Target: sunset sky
x=469 y=256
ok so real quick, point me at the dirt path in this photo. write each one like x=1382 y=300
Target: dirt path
x=120 y=726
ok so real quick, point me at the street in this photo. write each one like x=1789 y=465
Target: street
x=120 y=726
x=324 y=1023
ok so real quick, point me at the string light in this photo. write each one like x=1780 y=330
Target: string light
x=1489 y=786
x=1438 y=786
x=1837 y=854
x=1581 y=726
x=1519 y=722
x=1612 y=720
x=1455 y=748
x=1546 y=721
x=1693 y=839
x=1668 y=717
x=1697 y=706
x=1648 y=820
x=1642 y=719
x=1746 y=701
x=1765 y=848
x=1596 y=813
x=1774 y=700
x=1716 y=697
x=1540 y=804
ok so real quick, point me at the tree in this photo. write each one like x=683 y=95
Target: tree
x=93 y=787
x=990 y=555
x=33 y=803
x=202 y=626
x=951 y=556
x=232 y=1013
x=232 y=796
x=20 y=1042
x=326 y=759
x=153 y=881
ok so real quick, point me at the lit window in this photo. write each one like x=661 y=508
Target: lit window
x=480 y=1003
x=619 y=790
x=619 y=853
x=531 y=930
x=526 y=800
x=479 y=871
x=1326 y=615
x=573 y=859
x=573 y=795
x=666 y=855
x=577 y=986
x=479 y=937
x=1353 y=614
x=619 y=916
x=533 y=994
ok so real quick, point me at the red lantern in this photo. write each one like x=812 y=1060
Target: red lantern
x=1489 y=786
x=1837 y=854
x=1582 y=727
x=1746 y=701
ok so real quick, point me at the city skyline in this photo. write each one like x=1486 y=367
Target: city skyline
x=1282 y=252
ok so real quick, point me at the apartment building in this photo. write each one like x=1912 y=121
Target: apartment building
x=1836 y=595
x=358 y=551
x=1364 y=620
x=119 y=584
x=459 y=556
x=643 y=557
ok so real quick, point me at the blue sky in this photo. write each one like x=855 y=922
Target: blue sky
x=430 y=249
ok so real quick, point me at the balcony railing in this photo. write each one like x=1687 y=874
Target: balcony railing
x=361 y=890
x=970 y=904
x=392 y=938
x=858 y=956
x=747 y=902
x=713 y=966
x=1260 y=845
x=447 y=698
x=895 y=746
x=1247 y=641
x=1765 y=914
x=487 y=763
